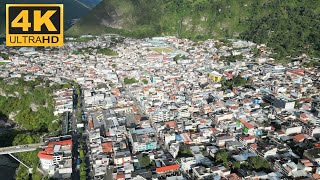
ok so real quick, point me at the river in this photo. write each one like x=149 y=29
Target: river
x=8 y=167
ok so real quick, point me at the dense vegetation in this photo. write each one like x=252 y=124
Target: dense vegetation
x=234 y=82
x=30 y=106
x=29 y=158
x=290 y=27
x=4 y=56
x=91 y=51
x=252 y=163
x=107 y=51
x=145 y=81
x=82 y=165
x=130 y=80
x=145 y=160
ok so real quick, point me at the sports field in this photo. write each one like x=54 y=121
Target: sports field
x=162 y=49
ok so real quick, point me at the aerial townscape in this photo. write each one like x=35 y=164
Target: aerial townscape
x=165 y=90
x=162 y=108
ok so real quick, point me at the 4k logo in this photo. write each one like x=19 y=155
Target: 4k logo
x=34 y=25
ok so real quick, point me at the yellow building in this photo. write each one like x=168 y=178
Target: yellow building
x=215 y=76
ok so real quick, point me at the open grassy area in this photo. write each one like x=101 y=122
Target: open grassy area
x=2 y=63
x=162 y=49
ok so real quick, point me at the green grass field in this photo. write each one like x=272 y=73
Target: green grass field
x=162 y=49
x=2 y=63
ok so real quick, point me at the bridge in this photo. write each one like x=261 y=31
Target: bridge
x=20 y=148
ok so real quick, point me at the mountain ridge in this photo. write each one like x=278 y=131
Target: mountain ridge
x=256 y=20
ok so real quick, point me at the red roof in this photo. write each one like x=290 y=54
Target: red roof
x=171 y=124
x=229 y=75
x=47 y=153
x=306 y=99
x=248 y=137
x=316 y=176
x=107 y=147
x=298 y=138
x=48 y=150
x=90 y=124
x=167 y=168
x=120 y=176
x=246 y=124
x=138 y=118
x=44 y=155
x=254 y=146
x=299 y=72
x=233 y=107
x=62 y=143
x=135 y=108
x=304 y=116
x=317 y=145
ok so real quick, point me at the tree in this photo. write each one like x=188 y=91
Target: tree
x=236 y=165
x=107 y=51
x=258 y=162
x=130 y=80
x=185 y=151
x=145 y=81
x=222 y=156
x=25 y=139
x=144 y=161
x=22 y=173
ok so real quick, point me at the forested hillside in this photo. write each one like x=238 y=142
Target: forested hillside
x=29 y=104
x=288 y=26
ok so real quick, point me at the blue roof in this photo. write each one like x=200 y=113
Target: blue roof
x=178 y=137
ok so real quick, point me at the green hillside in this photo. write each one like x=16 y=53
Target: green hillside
x=285 y=25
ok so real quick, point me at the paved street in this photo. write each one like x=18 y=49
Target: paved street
x=20 y=148
x=75 y=137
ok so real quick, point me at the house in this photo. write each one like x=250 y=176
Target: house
x=56 y=158
x=221 y=140
x=188 y=163
x=165 y=167
x=220 y=170
x=312 y=154
x=215 y=76
x=201 y=172
x=143 y=139
x=299 y=138
x=122 y=157
x=246 y=140
x=283 y=103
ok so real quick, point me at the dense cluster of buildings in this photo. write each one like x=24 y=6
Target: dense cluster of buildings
x=56 y=158
x=63 y=101
x=177 y=109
